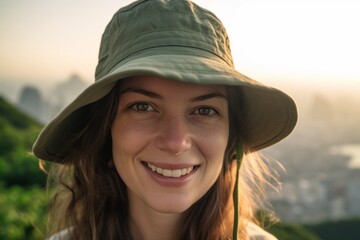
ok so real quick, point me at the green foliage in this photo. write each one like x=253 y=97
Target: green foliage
x=9 y=137
x=22 y=200
x=348 y=229
x=284 y=231
x=17 y=134
x=328 y=230
x=21 y=169
x=290 y=231
x=22 y=213
x=14 y=116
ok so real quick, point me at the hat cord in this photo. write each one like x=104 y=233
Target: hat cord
x=239 y=157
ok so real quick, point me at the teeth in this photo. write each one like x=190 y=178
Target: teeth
x=171 y=173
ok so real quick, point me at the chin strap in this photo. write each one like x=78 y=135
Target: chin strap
x=239 y=157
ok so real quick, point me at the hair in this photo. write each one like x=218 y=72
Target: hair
x=91 y=198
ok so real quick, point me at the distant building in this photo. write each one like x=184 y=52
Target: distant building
x=353 y=193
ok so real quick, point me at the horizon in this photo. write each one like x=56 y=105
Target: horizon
x=290 y=45
x=278 y=43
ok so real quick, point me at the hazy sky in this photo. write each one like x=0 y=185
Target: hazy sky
x=279 y=42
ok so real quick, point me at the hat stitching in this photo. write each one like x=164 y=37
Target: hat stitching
x=190 y=66
x=203 y=45
x=109 y=69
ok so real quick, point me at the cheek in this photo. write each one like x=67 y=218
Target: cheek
x=123 y=145
x=119 y=158
x=215 y=140
x=128 y=140
x=123 y=150
x=213 y=148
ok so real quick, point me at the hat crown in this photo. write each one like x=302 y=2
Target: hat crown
x=155 y=24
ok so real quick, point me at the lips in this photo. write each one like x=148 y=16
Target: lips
x=171 y=173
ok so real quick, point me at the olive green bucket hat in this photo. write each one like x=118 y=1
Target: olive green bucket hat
x=174 y=40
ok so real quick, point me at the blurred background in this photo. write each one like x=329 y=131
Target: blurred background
x=308 y=48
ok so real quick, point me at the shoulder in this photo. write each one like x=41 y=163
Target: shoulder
x=255 y=232
x=62 y=235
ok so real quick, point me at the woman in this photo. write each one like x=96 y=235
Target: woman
x=152 y=150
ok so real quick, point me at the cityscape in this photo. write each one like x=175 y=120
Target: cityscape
x=322 y=162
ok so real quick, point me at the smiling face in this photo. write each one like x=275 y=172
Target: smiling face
x=169 y=140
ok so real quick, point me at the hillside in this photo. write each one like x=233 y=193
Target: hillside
x=18 y=131
x=14 y=117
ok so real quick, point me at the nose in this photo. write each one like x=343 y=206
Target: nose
x=174 y=136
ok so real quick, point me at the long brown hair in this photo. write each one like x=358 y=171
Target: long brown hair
x=90 y=199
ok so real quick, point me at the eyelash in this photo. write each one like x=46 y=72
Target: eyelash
x=136 y=106
x=211 y=111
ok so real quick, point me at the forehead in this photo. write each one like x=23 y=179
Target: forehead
x=158 y=84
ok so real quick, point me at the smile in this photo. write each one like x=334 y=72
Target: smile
x=173 y=173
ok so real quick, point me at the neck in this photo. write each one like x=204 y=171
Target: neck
x=148 y=224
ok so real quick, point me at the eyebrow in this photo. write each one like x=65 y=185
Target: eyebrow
x=208 y=96
x=143 y=92
x=158 y=96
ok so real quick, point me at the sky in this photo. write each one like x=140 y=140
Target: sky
x=312 y=43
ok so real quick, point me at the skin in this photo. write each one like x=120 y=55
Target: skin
x=177 y=128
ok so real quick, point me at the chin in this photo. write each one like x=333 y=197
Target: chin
x=172 y=206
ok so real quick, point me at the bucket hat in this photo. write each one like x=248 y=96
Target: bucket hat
x=175 y=40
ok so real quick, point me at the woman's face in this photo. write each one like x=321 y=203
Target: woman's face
x=169 y=140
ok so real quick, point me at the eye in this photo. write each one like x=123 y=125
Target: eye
x=142 y=107
x=206 y=111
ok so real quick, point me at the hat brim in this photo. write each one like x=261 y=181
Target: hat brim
x=271 y=115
